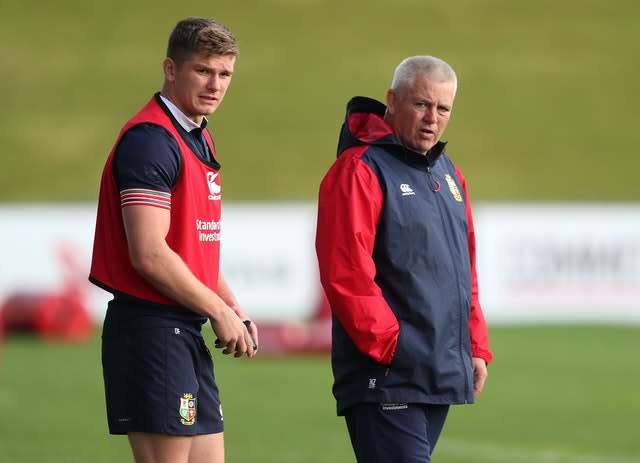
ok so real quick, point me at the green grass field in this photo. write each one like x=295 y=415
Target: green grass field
x=547 y=106
x=562 y=394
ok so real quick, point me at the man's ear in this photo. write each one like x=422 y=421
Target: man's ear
x=169 y=67
x=391 y=101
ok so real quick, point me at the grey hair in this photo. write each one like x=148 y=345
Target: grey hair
x=426 y=66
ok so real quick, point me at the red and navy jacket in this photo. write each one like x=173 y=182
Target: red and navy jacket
x=195 y=207
x=396 y=252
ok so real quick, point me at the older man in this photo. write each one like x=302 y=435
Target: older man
x=396 y=252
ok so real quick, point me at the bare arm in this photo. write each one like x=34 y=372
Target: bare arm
x=146 y=229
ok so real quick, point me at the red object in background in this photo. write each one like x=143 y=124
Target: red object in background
x=307 y=337
x=61 y=315
x=1 y=328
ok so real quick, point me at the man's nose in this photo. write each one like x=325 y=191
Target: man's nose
x=430 y=114
x=214 y=82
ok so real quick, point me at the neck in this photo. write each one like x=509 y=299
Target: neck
x=169 y=96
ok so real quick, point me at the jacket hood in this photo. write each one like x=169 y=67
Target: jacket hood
x=364 y=124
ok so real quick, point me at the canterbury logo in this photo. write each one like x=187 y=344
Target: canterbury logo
x=214 y=186
x=406 y=189
x=213 y=180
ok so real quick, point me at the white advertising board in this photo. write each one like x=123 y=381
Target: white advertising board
x=559 y=262
x=43 y=248
x=268 y=255
x=268 y=258
x=537 y=263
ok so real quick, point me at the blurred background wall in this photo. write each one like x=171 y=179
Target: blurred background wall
x=546 y=112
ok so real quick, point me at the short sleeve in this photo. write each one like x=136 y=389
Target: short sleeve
x=148 y=158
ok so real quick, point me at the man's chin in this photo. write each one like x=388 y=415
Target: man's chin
x=206 y=109
x=424 y=147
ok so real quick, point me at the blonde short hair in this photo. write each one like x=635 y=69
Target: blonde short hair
x=197 y=35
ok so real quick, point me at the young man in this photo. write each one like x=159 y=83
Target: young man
x=156 y=248
x=396 y=252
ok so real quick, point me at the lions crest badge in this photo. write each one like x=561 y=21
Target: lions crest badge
x=453 y=188
x=187 y=409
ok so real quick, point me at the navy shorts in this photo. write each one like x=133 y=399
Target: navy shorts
x=398 y=432
x=158 y=376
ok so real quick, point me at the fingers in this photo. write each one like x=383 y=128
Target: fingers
x=478 y=386
x=239 y=346
x=253 y=333
x=480 y=374
x=235 y=336
x=250 y=349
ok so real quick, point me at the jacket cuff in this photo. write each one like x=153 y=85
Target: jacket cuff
x=484 y=354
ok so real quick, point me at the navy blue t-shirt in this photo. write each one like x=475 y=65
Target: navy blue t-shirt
x=149 y=157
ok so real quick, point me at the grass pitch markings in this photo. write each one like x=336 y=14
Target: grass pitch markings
x=497 y=453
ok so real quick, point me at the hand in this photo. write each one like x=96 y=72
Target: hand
x=252 y=328
x=253 y=332
x=232 y=335
x=480 y=374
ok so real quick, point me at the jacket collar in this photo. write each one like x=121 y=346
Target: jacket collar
x=365 y=125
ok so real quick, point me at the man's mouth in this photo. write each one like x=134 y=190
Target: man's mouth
x=209 y=98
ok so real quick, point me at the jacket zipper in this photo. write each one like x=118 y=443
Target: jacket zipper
x=434 y=184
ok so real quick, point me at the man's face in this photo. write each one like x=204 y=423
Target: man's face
x=198 y=85
x=419 y=114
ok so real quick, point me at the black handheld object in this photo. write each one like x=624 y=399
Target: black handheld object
x=247 y=323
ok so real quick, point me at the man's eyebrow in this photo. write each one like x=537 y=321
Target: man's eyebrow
x=210 y=68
